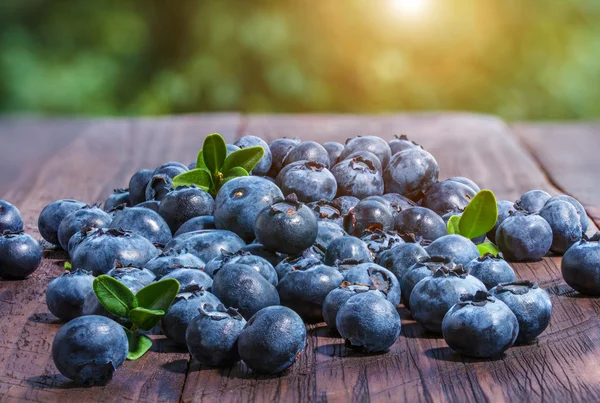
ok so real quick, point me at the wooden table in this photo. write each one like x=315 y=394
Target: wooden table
x=44 y=160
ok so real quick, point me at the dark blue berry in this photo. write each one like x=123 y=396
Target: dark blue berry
x=117 y=198
x=491 y=270
x=373 y=144
x=460 y=249
x=308 y=151
x=259 y=264
x=523 y=237
x=338 y=297
x=10 y=218
x=533 y=201
x=52 y=215
x=446 y=196
x=328 y=231
x=565 y=224
x=334 y=149
x=168 y=261
x=280 y=148
x=263 y=166
x=411 y=173
x=583 y=218
x=504 y=210
x=376 y=277
x=347 y=247
x=185 y=203
x=20 y=255
x=196 y=224
x=357 y=177
x=84 y=217
x=144 y=222
x=424 y=267
x=379 y=241
x=190 y=277
x=401 y=143
x=206 y=244
x=400 y=258
x=137 y=186
x=420 y=221
x=310 y=182
x=127 y=274
x=66 y=294
x=580 y=267
x=368 y=215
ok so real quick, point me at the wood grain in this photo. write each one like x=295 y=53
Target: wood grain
x=569 y=153
x=101 y=156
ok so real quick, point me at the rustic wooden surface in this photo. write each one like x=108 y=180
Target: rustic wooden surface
x=41 y=161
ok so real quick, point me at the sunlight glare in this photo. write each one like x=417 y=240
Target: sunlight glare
x=410 y=7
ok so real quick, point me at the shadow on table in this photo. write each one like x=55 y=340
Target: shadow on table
x=45 y=317
x=53 y=381
x=448 y=355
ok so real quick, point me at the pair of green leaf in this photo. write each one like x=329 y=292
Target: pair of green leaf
x=478 y=218
x=214 y=167
x=143 y=309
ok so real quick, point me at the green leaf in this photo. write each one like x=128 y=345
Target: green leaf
x=488 y=247
x=214 y=152
x=200 y=160
x=246 y=158
x=68 y=266
x=200 y=177
x=114 y=296
x=480 y=215
x=452 y=225
x=234 y=173
x=159 y=295
x=139 y=344
x=144 y=318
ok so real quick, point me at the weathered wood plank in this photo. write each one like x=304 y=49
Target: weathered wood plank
x=569 y=153
x=101 y=156
x=560 y=367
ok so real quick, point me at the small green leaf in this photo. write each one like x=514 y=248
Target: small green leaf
x=144 y=318
x=214 y=152
x=480 y=215
x=159 y=295
x=139 y=344
x=236 y=172
x=114 y=296
x=199 y=177
x=68 y=266
x=246 y=158
x=452 y=225
x=200 y=160
x=488 y=247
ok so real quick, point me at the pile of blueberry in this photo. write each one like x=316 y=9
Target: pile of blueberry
x=334 y=233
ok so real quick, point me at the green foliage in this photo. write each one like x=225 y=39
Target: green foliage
x=452 y=226
x=214 y=167
x=520 y=59
x=142 y=310
x=68 y=266
x=488 y=247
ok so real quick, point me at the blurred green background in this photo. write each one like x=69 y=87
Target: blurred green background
x=521 y=59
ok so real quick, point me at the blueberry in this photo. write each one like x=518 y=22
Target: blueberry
x=504 y=210
x=523 y=237
x=480 y=326
x=263 y=267
x=401 y=258
x=272 y=340
x=376 y=277
x=580 y=267
x=368 y=322
x=158 y=187
x=454 y=246
x=357 y=177
x=533 y=201
x=304 y=261
x=153 y=205
x=66 y=294
x=89 y=349
x=206 y=244
x=424 y=267
x=20 y=255
x=346 y=203
x=182 y=311
x=373 y=144
x=167 y=261
x=240 y=200
x=491 y=270
x=196 y=224
x=212 y=336
x=411 y=173
x=398 y=202
x=190 y=277
x=310 y=181
x=465 y=181
x=280 y=148
x=287 y=227
x=171 y=169
x=379 y=241
x=118 y=197
x=401 y=143
x=308 y=151
x=137 y=186
x=243 y=288
x=98 y=252
x=328 y=231
x=338 y=297
x=258 y=249
x=144 y=222
x=184 y=203
x=368 y=215
x=131 y=274
x=434 y=295
x=347 y=247
x=446 y=196
x=530 y=304
x=565 y=224
x=286 y=169
x=10 y=218
x=84 y=217
x=52 y=215
x=334 y=149
x=79 y=237
x=421 y=222
x=305 y=290
x=580 y=210
x=263 y=166
x=230 y=149
x=327 y=210
x=367 y=157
